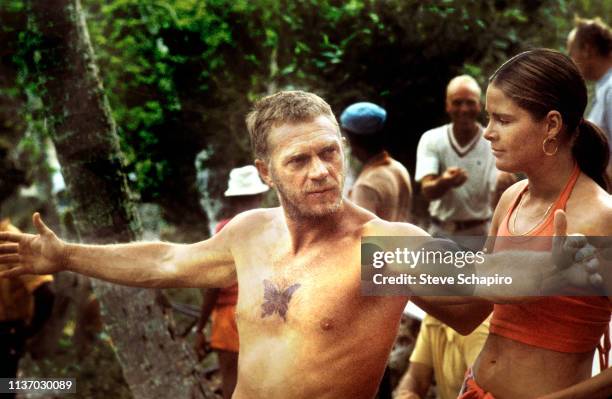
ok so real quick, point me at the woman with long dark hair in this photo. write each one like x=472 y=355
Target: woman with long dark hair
x=542 y=347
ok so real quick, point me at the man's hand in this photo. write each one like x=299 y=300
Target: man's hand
x=603 y=244
x=435 y=186
x=454 y=176
x=43 y=253
x=574 y=257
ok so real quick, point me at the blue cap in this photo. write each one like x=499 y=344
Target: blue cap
x=363 y=118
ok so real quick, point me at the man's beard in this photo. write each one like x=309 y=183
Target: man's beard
x=296 y=205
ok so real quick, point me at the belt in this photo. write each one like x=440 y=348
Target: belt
x=453 y=226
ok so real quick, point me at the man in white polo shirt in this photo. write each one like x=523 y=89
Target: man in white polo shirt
x=456 y=167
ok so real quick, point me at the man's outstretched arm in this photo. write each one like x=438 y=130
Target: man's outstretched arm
x=139 y=264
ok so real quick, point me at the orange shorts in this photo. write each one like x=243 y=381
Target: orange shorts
x=471 y=390
x=224 y=335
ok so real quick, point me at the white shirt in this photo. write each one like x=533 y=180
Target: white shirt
x=437 y=151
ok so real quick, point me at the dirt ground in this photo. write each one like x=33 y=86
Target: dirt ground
x=98 y=374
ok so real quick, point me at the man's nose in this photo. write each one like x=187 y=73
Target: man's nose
x=465 y=107
x=318 y=169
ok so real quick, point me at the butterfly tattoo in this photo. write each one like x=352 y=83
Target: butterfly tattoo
x=276 y=299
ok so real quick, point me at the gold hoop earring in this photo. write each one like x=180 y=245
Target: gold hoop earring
x=545 y=144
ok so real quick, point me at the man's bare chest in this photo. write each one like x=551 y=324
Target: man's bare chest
x=317 y=291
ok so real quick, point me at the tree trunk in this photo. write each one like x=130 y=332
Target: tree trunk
x=155 y=363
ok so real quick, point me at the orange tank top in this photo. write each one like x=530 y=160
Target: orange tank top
x=563 y=323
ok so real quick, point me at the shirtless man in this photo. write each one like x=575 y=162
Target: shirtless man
x=305 y=329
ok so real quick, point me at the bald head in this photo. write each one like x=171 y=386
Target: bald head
x=462 y=82
x=463 y=104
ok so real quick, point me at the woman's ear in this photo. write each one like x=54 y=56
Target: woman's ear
x=264 y=171
x=554 y=124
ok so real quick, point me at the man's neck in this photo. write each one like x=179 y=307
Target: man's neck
x=376 y=158
x=602 y=67
x=362 y=154
x=306 y=231
x=464 y=136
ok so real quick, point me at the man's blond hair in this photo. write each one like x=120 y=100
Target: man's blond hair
x=280 y=108
x=595 y=33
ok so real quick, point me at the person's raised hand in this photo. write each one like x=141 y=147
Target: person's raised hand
x=455 y=176
x=603 y=244
x=573 y=256
x=43 y=253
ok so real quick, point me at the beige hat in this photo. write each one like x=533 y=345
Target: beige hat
x=245 y=181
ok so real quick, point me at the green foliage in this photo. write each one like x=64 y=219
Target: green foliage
x=21 y=123
x=181 y=74
x=161 y=62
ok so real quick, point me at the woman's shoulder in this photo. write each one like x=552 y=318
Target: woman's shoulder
x=507 y=199
x=589 y=208
x=510 y=194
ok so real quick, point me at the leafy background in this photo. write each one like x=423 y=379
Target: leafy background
x=180 y=76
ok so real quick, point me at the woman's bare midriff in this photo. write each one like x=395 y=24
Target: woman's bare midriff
x=510 y=369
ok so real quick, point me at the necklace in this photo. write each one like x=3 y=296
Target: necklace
x=518 y=208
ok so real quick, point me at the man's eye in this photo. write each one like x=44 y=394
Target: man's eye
x=297 y=160
x=329 y=152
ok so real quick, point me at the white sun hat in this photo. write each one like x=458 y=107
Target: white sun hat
x=245 y=181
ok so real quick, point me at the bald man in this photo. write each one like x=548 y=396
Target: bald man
x=456 y=168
